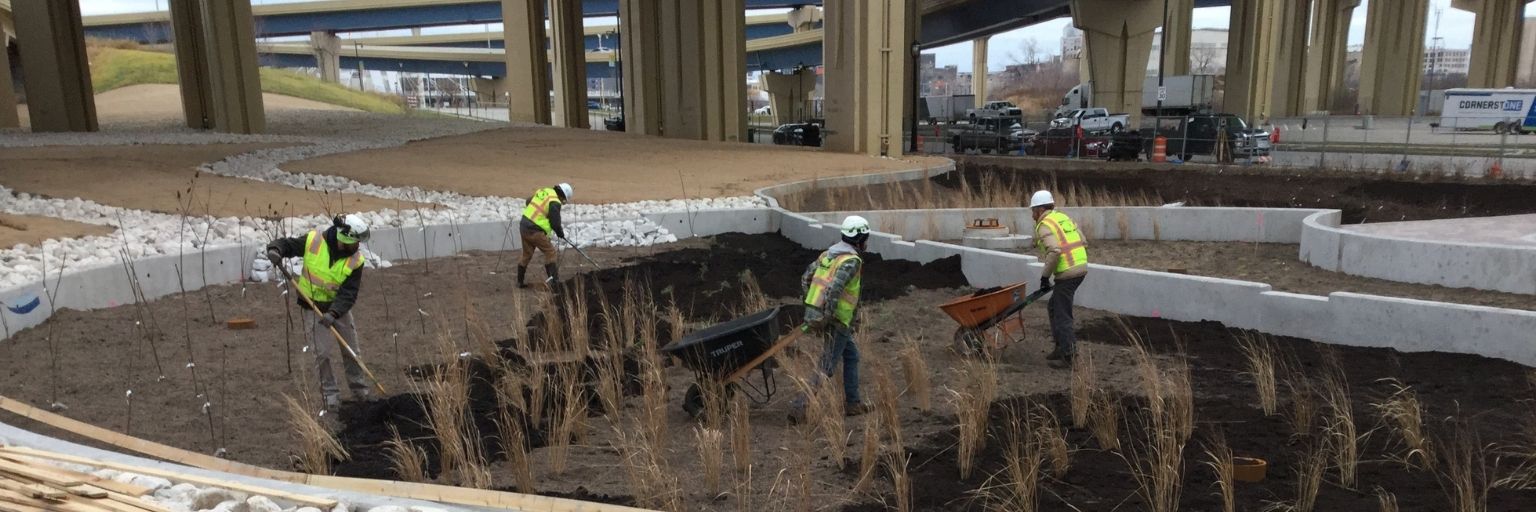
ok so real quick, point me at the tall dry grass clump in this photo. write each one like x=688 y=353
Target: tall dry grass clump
x=869 y=453
x=1157 y=460
x=1386 y=501
x=570 y=417
x=1303 y=411
x=711 y=458
x=1218 y=457
x=1403 y=416
x=317 y=447
x=741 y=435
x=652 y=482
x=1022 y=463
x=915 y=369
x=407 y=460
x=514 y=444
x=752 y=297
x=446 y=393
x=1339 y=426
x=578 y=335
x=901 y=480
x=1464 y=473
x=1084 y=380
x=886 y=406
x=978 y=378
x=1309 y=477
x=1104 y=419
x=1259 y=351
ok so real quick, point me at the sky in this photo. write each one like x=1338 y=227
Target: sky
x=1455 y=27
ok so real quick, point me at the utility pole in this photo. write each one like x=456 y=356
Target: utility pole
x=1162 y=60
x=917 y=51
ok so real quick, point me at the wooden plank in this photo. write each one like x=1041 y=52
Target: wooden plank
x=104 y=504
x=323 y=503
x=136 y=502
x=41 y=475
x=32 y=490
x=18 y=499
x=107 y=484
x=87 y=491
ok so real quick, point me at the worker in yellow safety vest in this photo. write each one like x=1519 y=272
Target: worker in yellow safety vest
x=541 y=220
x=1064 y=252
x=331 y=278
x=831 y=285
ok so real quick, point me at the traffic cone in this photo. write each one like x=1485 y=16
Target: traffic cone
x=1274 y=135
x=1495 y=171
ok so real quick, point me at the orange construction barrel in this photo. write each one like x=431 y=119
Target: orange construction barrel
x=1160 y=149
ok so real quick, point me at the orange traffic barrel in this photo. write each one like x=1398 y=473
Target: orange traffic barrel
x=1160 y=149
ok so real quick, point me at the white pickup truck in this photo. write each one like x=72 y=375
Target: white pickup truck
x=1093 y=120
x=993 y=109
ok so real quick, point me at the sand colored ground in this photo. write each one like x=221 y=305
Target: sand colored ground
x=149 y=178
x=148 y=103
x=604 y=167
x=30 y=229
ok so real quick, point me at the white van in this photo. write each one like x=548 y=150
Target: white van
x=1501 y=110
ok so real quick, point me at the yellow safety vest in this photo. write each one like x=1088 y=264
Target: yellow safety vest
x=321 y=279
x=1074 y=251
x=826 y=270
x=538 y=208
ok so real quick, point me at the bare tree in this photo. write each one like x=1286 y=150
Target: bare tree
x=1203 y=59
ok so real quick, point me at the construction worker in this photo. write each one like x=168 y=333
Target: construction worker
x=831 y=285
x=1064 y=252
x=332 y=275
x=541 y=219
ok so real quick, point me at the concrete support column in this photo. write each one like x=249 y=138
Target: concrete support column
x=804 y=18
x=789 y=95
x=233 y=76
x=1266 y=58
x=868 y=66
x=1180 y=28
x=1117 y=43
x=685 y=73
x=327 y=49
x=1495 y=41
x=1393 y=61
x=568 y=72
x=52 y=43
x=527 y=59
x=188 y=41
x=979 y=70
x=1326 y=52
x=8 y=116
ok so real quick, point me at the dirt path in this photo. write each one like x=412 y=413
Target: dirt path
x=604 y=167
x=151 y=177
x=150 y=103
x=32 y=229
x=1277 y=265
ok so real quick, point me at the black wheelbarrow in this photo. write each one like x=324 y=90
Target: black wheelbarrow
x=725 y=354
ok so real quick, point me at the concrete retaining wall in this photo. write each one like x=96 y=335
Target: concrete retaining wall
x=1504 y=268
x=1200 y=224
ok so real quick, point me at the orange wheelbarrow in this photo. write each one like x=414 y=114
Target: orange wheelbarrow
x=990 y=316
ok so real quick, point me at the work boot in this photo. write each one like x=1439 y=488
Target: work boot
x=554 y=273
x=1061 y=364
x=1055 y=355
x=855 y=409
x=522 y=272
x=332 y=404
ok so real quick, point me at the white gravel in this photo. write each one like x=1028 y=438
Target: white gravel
x=152 y=234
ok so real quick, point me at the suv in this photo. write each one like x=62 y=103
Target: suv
x=986 y=135
x=1198 y=134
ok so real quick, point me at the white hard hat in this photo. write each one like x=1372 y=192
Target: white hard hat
x=1041 y=198
x=854 y=226
x=565 y=188
x=352 y=226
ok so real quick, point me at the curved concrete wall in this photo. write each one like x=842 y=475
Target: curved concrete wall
x=1504 y=268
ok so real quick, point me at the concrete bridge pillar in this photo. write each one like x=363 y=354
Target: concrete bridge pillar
x=1326 y=52
x=685 y=68
x=789 y=95
x=52 y=43
x=979 y=69
x=527 y=59
x=8 y=115
x=1180 y=29
x=1393 y=60
x=327 y=55
x=869 y=67
x=568 y=71
x=1117 y=42
x=804 y=18
x=1495 y=41
x=188 y=40
x=233 y=76
x=1266 y=58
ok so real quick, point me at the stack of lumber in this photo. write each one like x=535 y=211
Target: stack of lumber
x=29 y=485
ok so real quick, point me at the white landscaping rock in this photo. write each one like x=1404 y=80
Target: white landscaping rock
x=389 y=508
x=208 y=498
x=262 y=504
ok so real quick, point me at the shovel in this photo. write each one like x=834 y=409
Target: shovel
x=334 y=332
x=581 y=252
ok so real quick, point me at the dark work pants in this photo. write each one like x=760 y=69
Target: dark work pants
x=1060 y=309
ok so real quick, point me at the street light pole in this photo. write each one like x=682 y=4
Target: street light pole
x=917 y=50
x=1162 y=57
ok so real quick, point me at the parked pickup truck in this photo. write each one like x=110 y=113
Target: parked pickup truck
x=1093 y=120
x=995 y=109
x=1198 y=134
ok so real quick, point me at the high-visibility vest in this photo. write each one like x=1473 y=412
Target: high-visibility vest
x=321 y=279
x=826 y=271
x=538 y=208
x=1074 y=251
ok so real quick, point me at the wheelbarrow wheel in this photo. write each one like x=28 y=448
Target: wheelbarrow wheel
x=968 y=341
x=693 y=399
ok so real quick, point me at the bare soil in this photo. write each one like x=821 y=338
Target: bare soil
x=1278 y=266
x=158 y=177
x=408 y=309
x=1002 y=182
x=33 y=229
x=604 y=167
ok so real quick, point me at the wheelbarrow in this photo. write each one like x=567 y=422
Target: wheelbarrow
x=990 y=316
x=725 y=355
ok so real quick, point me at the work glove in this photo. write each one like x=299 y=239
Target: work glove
x=1045 y=283
x=275 y=257
x=328 y=320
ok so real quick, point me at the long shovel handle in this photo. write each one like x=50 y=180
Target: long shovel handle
x=339 y=339
x=581 y=252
